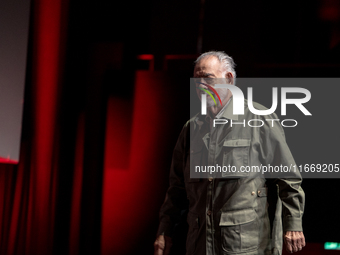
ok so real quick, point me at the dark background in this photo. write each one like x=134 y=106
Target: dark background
x=265 y=38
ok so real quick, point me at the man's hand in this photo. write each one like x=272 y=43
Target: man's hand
x=162 y=245
x=294 y=241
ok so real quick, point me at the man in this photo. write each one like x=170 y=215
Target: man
x=229 y=214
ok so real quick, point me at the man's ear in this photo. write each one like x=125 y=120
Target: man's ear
x=229 y=77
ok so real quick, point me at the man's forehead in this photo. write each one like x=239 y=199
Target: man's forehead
x=207 y=65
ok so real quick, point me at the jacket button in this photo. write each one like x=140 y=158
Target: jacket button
x=210 y=179
x=253 y=193
x=209 y=213
x=259 y=192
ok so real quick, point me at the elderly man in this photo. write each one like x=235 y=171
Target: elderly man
x=236 y=213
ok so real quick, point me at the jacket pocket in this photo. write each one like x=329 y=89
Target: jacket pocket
x=193 y=222
x=235 y=155
x=239 y=231
x=194 y=159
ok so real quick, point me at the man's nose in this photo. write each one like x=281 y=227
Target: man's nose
x=202 y=84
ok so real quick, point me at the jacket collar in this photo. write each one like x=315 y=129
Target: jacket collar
x=228 y=111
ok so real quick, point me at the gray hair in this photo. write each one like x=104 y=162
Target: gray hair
x=226 y=60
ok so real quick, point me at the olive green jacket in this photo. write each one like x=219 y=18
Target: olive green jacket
x=228 y=212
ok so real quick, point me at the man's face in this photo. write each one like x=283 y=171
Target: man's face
x=210 y=71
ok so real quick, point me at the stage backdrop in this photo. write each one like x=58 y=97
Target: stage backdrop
x=14 y=16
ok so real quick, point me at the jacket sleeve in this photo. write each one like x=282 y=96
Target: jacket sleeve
x=275 y=152
x=176 y=198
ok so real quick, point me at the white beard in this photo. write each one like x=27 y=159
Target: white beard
x=210 y=102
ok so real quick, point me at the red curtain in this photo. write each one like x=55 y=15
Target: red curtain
x=28 y=190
